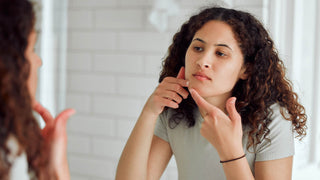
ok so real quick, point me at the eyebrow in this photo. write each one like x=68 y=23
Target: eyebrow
x=198 y=39
x=223 y=45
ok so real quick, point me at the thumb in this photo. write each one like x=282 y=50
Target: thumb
x=181 y=74
x=232 y=111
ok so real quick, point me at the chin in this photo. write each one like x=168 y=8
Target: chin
x=199 y=90
x=32 y=94
x=196 y=86
x=33 y=100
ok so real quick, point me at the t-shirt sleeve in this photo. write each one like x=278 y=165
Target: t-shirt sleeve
x=279 y=143
x=160 y=129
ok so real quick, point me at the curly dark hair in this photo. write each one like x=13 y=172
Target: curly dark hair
x=17 y=20
x=266 y=83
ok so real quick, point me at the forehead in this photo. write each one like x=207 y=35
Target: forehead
x=216 y=32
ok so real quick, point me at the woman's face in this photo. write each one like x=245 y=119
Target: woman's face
x=214 y=62
x=35 y=63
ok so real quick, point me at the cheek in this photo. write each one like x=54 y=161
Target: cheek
x=188 y=70
x=35 y=63
x=189 y=55
x=189 y=63
x=33 y=74
x=32 y=79
x=234 y=72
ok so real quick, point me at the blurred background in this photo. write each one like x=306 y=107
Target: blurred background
x=103 y=58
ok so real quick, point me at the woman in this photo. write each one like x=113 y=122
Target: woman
x=239 y=120
x=26 y=151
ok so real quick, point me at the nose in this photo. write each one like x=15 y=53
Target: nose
x=39 y=61
x=205 y=65
x=205 y=61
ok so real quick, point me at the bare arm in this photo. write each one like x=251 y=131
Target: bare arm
x=134 y=158
x=145 y=155
x=280 y=169
x=238 y=169
x=160 y=154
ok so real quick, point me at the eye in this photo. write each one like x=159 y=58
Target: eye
x=219 y=53
x=197 y=48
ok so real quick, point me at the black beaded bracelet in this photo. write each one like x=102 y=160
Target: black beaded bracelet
x=233 y=159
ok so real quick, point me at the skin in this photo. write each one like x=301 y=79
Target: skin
x=35 y=64
x=54 y=132
x=214 y=63
x=214 y=53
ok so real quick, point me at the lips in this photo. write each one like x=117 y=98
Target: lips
x=201 y=76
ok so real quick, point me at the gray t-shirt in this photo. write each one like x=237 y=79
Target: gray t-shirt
x=196 y=158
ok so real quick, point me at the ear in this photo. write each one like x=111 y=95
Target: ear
x=243 y=74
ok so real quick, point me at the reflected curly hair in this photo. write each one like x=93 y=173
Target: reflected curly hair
x=17 y=20
x=266 y=83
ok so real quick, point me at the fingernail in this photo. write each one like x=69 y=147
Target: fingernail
x=233 y=100
x=187 y=83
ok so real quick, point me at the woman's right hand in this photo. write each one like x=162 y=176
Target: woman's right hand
x=168 y=93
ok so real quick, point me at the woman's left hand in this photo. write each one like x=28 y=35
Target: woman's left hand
x=55 y=135
x=222 y=131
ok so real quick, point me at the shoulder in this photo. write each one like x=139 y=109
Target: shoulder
x=172 y=118
x=279 y=141
x=278 y=119
x=166 y=115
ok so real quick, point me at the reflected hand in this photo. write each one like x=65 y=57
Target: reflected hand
x=55 y=135
x=222 y=131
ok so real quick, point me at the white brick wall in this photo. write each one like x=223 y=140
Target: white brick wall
x=118 y=63
x=92 y=40
x=119 y=19
x=79 y=61
x=80 y=19
x=114 y=58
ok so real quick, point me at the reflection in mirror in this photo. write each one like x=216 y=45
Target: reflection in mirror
x=27 y=150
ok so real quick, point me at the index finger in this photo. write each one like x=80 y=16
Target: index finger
x=202 y=103
x=181 y=74
x=173 y=80
x=44 y=113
